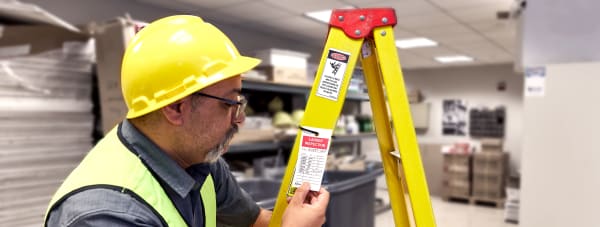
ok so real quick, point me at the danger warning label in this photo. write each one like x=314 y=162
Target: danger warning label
x=333 y=74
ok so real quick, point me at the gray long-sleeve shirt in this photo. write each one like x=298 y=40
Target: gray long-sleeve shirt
x=107 y=207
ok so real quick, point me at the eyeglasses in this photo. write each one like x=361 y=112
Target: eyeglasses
x=240 y=104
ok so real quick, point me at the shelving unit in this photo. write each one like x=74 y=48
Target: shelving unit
x=256 y=85
x=288 y=142
x=253 y=86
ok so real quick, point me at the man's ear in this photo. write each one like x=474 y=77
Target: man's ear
x=173 y=113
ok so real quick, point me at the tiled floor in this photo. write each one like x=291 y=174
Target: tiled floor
x=456 y=214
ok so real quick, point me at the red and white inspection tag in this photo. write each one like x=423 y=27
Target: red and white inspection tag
x=312 y=157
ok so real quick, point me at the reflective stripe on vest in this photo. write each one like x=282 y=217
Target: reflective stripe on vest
x=110 y=163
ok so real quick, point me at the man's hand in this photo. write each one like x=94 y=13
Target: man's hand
x=306 y=209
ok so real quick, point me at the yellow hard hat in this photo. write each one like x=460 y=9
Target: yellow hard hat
x=174 y=57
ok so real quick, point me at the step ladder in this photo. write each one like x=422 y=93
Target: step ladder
x=366 y=34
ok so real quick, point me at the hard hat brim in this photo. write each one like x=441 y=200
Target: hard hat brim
x=236 y=67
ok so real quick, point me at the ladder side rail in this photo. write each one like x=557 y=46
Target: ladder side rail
x=319 y=112
x=371 y=70
x=403 y=127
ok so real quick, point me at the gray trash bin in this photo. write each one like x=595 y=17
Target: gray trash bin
x=352 y=202
x=352 y=196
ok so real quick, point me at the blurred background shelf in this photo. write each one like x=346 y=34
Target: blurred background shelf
x=257 y=85
x=288 y=142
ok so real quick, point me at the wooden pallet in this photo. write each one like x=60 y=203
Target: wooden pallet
x=454 y=198
x=497 y=202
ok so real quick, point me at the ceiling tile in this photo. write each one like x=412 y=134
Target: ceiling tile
x=302 y=26
x=175 y=5
x=211 y=4
x=466 y=47
x=402 y=34
x=300 y=7
x=249 y=11
x=485 y=52
x=451 y=29
x=474 y=14
x=424 y=20
x=410 y=60
x=492 y=25
x=430 y=52
x=449 y=39
x=404 y=7
x=361 y=2
x=454 y=4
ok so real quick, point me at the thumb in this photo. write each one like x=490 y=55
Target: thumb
x=300 y=194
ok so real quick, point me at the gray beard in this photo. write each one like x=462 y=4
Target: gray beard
x=214 y=154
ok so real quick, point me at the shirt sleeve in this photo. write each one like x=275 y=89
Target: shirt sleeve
x=102 y=207
x=234 y=206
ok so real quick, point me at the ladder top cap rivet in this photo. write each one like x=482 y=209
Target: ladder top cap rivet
x=365 y=20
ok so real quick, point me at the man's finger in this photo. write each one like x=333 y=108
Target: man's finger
x=322 y=199
x=300 y=194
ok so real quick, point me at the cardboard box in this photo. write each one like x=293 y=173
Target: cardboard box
x=415 y=96
x=21 y=40
x=488 y=193
x=457 y=162
x=284 y=66
x=457 y=182
x=285 y=75
x=253 y=135
x=283 y=58
x=491 y=144
x=489 y=181
x=490 y=163
x=112 y=38
x=462 y=192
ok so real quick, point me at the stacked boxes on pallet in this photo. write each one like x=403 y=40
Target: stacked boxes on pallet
x=489 y=172
x=457 y=173
x=46 y=119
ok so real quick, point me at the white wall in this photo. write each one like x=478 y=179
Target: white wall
x=559 y=31
x=561 y=149
x=477 y=85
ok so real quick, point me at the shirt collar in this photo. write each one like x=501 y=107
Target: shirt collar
x=163 y=166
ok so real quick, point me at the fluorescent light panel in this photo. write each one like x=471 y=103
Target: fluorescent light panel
x=454 y=58
x=324 y=15
x=415 y=42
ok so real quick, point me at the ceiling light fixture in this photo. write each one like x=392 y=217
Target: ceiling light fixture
x=323 y=15
x=415 y=42
x=454 y=58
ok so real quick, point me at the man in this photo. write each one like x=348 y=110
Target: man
x=161 y=167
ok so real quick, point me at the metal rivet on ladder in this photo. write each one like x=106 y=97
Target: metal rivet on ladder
x=362 y=17
x=341 y=18
x=383 y=33
x=384 y=20
x=357 y=32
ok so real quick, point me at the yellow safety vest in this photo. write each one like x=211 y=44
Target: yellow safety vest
x=111 y=165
